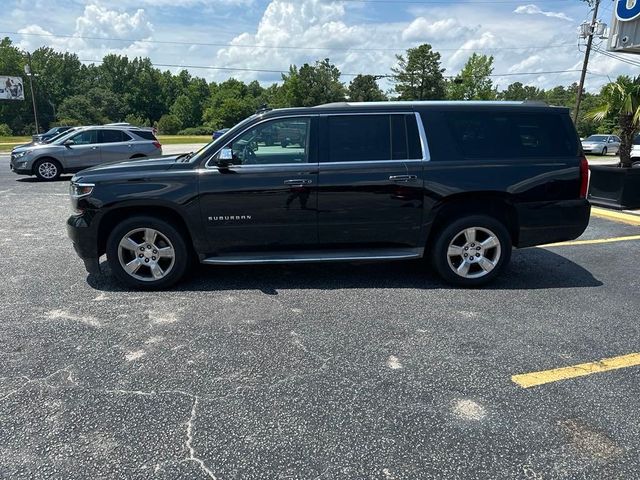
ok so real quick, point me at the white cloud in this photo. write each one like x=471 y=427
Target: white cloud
x=532 y=9
x=98 y=23
x=422 y=29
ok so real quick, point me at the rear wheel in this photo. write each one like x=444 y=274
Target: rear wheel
x=47 y=169
x=472 y=251
x=147 y=253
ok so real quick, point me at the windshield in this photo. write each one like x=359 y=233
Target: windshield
x=220 y=141
x=597 y=138
x=63 y=136
x=637 y=140
x=51 y=130
x=60 y=135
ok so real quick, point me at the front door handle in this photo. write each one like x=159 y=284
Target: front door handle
x=403 y=178
x=94 y=148
x=299 y=181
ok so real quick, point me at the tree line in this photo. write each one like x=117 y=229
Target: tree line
x=68 y=92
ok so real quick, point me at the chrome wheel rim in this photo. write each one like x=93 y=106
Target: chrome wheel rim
x=474 y=252
x=47 y=170
x=146 y=254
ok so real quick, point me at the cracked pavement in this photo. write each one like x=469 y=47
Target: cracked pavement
x=319 y=371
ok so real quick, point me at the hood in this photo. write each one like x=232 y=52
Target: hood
x=129 y=168
x=33 y=146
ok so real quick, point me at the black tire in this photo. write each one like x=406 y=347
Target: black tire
x=176 y=239
x=284 y=143
x=138 y=155
x=452 y=235
x=47 y=169
x=604 y=151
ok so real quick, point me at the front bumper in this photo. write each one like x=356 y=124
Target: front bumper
x=19 y=166
x=84 y=239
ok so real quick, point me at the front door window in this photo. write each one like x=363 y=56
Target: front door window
x=279 y=142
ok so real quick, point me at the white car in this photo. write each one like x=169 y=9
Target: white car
x=601 y=144
x=635 y=151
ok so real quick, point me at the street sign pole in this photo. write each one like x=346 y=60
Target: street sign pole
x=29 y=72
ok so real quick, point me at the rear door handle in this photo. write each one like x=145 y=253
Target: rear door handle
x=94 y=148
x=403 y=178
x=299 y=181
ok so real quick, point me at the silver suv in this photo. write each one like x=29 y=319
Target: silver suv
x=83 y=148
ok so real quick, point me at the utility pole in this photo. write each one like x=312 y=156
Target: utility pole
x=588 y=30
x=29 y=71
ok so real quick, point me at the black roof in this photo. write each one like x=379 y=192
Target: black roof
x=403 y=106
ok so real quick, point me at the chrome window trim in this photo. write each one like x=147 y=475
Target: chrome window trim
x=426 y=154
x=264 y=120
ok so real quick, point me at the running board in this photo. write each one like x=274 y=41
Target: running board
x=316 y=256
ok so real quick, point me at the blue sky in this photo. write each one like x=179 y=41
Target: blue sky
x=527 y=38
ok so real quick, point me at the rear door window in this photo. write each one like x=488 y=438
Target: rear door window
x=113 y=136
x=366 y=138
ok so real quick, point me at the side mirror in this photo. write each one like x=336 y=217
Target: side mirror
x=69 y=142
x=225 y=159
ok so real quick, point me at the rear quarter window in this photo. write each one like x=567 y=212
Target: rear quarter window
x=500 y=135
x=145 y=134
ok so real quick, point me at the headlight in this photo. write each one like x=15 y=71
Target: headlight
x=19 y=155
x=79 y=190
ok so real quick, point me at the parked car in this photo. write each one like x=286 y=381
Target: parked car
x=459 y=183
x=50 y=140
x=601 y=144
x=49 y=134
x=82 y=148
x=635 y=150
x=218 y=133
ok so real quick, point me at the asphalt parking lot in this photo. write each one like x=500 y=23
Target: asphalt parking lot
x=314 y=371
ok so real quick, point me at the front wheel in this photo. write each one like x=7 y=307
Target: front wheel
x=47 y=169
x=147 y=253
x=472 y=251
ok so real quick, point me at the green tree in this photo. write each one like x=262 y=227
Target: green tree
x=169 y=125
x=313 y=85
x=474 y=81
x=518 y=91
x=364 y=88
x=80 y=110
x=419 y=76
x=622 y=103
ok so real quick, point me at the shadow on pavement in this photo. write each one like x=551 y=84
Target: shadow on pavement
x=530 y=269
x=62 y=178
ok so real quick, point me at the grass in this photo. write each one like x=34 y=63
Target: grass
x=178 y=139
x=7 y=143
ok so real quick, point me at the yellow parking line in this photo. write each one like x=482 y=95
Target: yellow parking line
x=534 y=379
x=627 y=218
x=595 y=241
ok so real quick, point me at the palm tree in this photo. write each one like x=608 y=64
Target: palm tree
x=622 y=101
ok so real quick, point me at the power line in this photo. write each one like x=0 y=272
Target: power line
x=278 y=47
x=265 y=70
x=617 y=57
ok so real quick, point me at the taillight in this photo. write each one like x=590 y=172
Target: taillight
x=157 y=144
x=584 y=177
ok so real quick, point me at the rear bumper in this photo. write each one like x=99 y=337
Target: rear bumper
x=550 y=222
x=84 y=239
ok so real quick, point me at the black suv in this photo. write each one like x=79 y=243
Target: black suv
x=457 y=182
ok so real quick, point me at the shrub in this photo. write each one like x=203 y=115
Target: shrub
x=169 y=125
x=196 y=131
x=5 y=131
x=137 y=120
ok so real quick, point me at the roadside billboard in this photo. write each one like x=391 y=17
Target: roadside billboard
x=625 y=27
x=11 y=88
